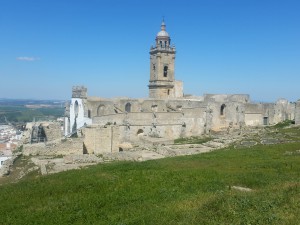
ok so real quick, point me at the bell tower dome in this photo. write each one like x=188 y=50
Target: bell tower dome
x=162 y=63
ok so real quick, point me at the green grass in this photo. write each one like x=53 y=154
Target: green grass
x=284 y=124
x=181 y=190
x=192 y=140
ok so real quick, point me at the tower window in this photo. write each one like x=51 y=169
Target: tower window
x=165 y=71
x=160 y=44
x=168 y=91
x=165 y=44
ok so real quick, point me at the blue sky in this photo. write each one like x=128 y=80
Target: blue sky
x=223 y=46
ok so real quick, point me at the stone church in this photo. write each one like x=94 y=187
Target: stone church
x=167 y=113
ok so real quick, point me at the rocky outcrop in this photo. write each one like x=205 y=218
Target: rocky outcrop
x=7 y=164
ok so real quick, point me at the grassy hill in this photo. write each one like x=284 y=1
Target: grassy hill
x=196 y=189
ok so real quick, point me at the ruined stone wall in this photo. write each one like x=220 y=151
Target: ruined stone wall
x=226 y=114
x=188 y=116
x=55 y=148
x=297 y=113
x=268 y=113
x=101 y=139
x=52 y=130
x=118 y=106
x=135 y=127
x=242 y=98
x=253 y=119
x=291 y=110
x=170 y=125
x=141 y=119
x=79 y=92
x=280 y=111
x=135 y=133
x=254 y=114
x=195 y=115
x=67 y=126
x=154 y=106
x=110 y=119
x=178 y=89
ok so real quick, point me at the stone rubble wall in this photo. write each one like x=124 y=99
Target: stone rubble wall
x=61 y=147
x=52 y=130
x=7 y=164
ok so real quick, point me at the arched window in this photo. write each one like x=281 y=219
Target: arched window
x=168 y=91
x=76 y=108
x=100 y=110
x=128 y=107
x=165 y=71
x=89 y=113
x=154 y=108
x=140 y=132
x=222 y=110
x=160 y=44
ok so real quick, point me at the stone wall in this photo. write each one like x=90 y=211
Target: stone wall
x=52 y=130
x=253 y=119
x=101 y=139
x=188 y=116
x=297 y=113
x=163 y=124
x=178 y=89
x=62 y=147
x=242 y=98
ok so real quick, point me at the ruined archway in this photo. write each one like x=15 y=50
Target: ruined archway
x=38 y=134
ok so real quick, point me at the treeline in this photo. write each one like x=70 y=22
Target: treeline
x=23 y=114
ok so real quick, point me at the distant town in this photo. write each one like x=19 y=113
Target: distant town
x=15 y=113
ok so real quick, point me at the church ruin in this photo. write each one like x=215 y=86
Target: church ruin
x=167 y=113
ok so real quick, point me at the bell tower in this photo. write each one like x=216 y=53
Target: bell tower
x=162 y=63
